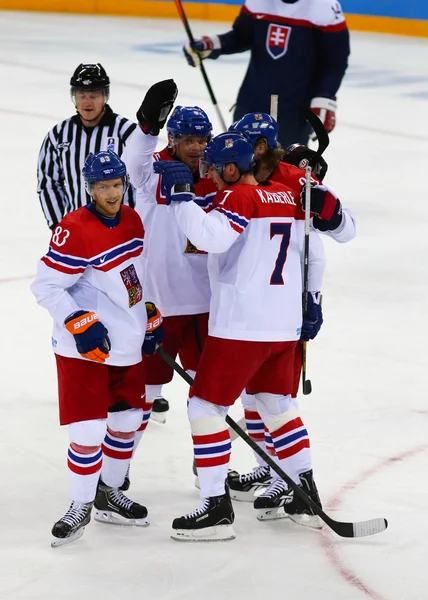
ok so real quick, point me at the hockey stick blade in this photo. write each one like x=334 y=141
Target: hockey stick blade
x=319 y=129
x=359 y=529
x=307 y=387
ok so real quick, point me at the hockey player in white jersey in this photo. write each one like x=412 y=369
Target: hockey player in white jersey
x=329 y=217
x=91 y=282
x=177 y=276
x=255 y=240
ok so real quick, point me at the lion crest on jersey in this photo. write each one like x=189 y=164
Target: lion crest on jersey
x=277 y=40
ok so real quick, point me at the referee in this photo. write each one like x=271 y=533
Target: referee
x=95 y=127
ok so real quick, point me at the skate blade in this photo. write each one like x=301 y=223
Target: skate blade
x=159 y=418
x=311 y=521
x=218 y=533
x=247 y=496
x=103 y=516
x=271 y=514
x=57 y=542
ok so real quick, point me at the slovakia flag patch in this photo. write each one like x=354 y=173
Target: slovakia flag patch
x=277 y=40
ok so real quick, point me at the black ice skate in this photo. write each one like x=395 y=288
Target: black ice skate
x=72 y=525
x=269 y=504
x=243 y=487
x=297 y=510
x=211 y=522
x=111 y=506
x=159 y=410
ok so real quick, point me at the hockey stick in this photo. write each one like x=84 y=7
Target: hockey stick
x=319 y=130
x=185 y=21
x=359 y=529
x=274 y=106
x=306 y=383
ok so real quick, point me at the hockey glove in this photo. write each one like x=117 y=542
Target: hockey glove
x=90 y=335
x=156 y=106
x=154 y=330
x=325 y=110
x=177 y=180
x=205 y=47
x=325 y=207
x=302 y=156
x=312 y=320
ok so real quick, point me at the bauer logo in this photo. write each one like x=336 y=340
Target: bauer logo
x=277 y=40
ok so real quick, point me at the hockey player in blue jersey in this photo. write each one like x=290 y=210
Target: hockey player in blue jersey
x=299 y=50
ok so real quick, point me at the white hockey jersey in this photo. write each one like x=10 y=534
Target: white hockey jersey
x=255 y=237
x=177 y=275
x=92 y=267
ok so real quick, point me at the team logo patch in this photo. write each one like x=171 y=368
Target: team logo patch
x=228 y=143
x=132 y=284
x=277 y=40
x=191 y=249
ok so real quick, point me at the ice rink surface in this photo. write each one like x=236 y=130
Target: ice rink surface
x=368 y=413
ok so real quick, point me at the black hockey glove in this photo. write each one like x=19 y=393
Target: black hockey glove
x=156 y=106
x=326 y=208
x=302 y=156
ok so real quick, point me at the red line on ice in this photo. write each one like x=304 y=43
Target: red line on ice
x=327 y=540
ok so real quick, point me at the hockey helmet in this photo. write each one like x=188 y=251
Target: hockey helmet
x=90 y=77
x=257 y=125
x=189 y=120
x=225 y=148
x=104 y=166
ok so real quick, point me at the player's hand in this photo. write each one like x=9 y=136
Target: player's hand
x=177 y=180
x=325 y=110
x=313 y=319
x=302 y=156
x=205 y=47
x=154 y=330
x=156 y=106
x=90 y=335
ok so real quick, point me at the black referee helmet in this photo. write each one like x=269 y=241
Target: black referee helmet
x=90 y=77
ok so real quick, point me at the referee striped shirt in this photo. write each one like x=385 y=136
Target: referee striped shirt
x=61 y=186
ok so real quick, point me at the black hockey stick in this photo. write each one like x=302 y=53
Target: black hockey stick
x=319 y=130
x=360 y=529
x=185 y=21
x=306 y=383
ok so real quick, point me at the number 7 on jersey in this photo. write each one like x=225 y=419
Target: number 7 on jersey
x=283 y=229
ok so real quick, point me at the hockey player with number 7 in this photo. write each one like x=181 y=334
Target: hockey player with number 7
x=328 y=217
x=255 y=240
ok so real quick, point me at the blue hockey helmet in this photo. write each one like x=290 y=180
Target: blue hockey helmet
x=257 y=125
x=104 y=166
x=189 y=120
x=225 y=148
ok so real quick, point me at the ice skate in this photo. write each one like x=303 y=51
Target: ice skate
x=211 y=522
x=72 y=525
x=159 y=410
x=111 y=506
x=243 y=487
x=270 y=503
x=297 y=510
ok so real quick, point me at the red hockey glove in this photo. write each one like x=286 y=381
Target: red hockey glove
x=325 y=109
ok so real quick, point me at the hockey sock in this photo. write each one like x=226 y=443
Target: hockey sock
x=211 y=444
x=254 y=424
x=147 y=411
x=289 y=436
x=84 y=466
x=117 y=454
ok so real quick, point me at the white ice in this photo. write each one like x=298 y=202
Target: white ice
x=368 y=413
